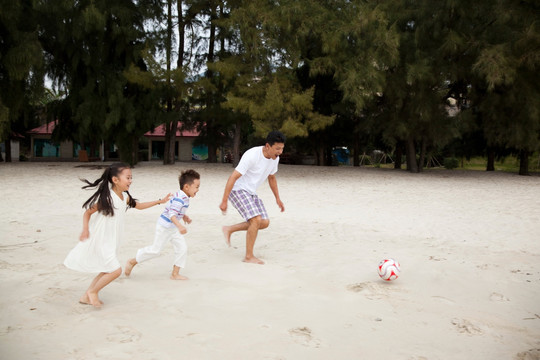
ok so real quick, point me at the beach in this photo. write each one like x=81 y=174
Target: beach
x=468 y=243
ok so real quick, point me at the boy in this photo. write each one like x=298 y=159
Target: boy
x=169 y=228
x=256 y=165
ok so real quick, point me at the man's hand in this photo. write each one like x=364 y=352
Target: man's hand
x=281 y=205
x=223 y=207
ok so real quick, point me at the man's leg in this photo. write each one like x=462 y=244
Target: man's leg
x=254 y=225
x=243 y=226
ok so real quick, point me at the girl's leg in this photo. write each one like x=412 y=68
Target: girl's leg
x=84 y=299
x=102 y=280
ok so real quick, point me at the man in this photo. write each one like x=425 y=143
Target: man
x=257 y=164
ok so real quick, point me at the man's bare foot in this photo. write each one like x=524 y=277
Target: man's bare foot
x=129 y=266
x=227 y=234
x=94 y=299
x=253 y=260
x=178 y=277
x=85 y=300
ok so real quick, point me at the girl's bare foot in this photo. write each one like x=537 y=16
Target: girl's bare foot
x=129 y=266
x=94 y=299
x=178 y=277
x=253 y=260
x=227 y=234
x=85 y=300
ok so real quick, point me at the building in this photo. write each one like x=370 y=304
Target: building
x=14 y=146
x=184 y=148
x=42 y=147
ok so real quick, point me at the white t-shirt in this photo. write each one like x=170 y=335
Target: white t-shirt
x=254 y=168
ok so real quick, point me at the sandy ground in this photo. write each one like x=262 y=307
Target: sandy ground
x=468 y=244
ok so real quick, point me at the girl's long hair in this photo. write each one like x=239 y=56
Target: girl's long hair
x=102 y=196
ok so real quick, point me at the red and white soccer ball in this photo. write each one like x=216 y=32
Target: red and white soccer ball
x=389 y=269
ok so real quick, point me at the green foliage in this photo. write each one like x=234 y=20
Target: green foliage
x=361 y=74
x=21 y=64
x=451 y=163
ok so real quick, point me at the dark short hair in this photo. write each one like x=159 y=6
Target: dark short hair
x=188 y=177
x=275 y=137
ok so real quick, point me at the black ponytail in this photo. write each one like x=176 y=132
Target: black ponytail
x=102 y=196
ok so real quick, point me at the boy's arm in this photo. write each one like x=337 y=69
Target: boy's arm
x=146 y=205
x=85 y=234
x=180 y=227
x=272 y=181
x=228 y=188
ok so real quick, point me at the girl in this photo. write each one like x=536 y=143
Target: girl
x=97 y=249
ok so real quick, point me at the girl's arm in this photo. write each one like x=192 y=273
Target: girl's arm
x=85 y=234
x=146 y=205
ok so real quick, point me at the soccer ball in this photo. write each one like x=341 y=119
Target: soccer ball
x=389 y=269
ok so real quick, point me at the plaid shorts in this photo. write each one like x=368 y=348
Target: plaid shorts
x=247 y=205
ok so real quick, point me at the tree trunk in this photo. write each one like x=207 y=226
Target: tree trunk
x=523 y=162
x=210 y=100
x=356 y=150
x=172 y=142
x=422 y=157
x=134 y=151
x=167 y=143
x=181 y=35
x=212 y=153
x=490 y=159
x=398 y=155
x=412 y=165
x=170 y=136
x=319 y=152
x=236 y=142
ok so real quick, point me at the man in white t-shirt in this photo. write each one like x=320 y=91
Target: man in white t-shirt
x=257 y=165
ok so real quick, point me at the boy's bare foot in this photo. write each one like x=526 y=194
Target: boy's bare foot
x=129 y=266
x=253 y=260
x=94 y=299
x=178 y=277
x=227 y=234
x=85 y=300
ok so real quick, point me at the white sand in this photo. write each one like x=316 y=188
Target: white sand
x=468 y=244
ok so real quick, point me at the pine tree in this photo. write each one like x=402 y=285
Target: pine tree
x=90 y=44
x=21 y=66
x=509 y=63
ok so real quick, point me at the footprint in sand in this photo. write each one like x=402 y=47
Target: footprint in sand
x=498 y=297
x=125 y=335
x=464 y=326
x=532 y=354
x=371 y=290
x=302 y=336
x=436 y=258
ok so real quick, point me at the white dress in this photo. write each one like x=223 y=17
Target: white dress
x=98 y=253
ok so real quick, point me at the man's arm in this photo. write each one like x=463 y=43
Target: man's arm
x=272 y=181
x=228 y=188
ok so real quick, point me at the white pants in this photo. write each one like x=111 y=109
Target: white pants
x=163 y=236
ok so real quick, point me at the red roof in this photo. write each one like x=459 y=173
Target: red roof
x=160 y=132
x=45 y=129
